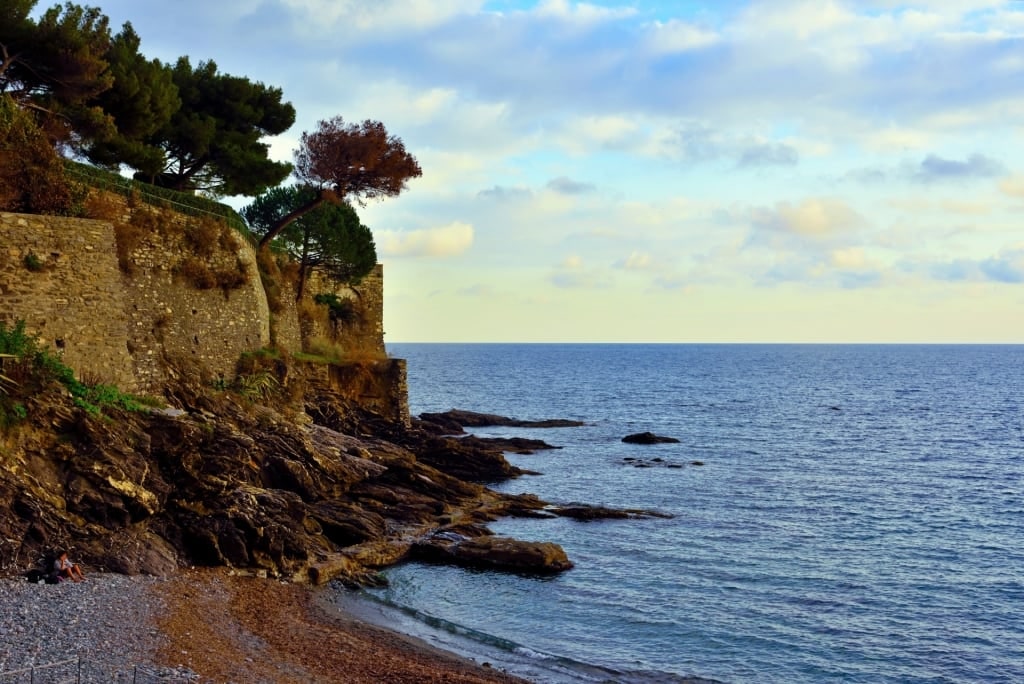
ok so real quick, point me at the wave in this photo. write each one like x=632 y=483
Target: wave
x=504 y=654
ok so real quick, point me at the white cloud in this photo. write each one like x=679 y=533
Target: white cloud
x=381 y=16
x=573 y=273
x=445 y=241
x=637 y=261
x=581 y=12
x=1012 y=186
x=675 y=36
x=815 y=218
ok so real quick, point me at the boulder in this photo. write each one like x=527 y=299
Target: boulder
x=648 y=438
x=489 y=551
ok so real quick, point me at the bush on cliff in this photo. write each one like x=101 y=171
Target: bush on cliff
x=28 y=368
x=32 y=179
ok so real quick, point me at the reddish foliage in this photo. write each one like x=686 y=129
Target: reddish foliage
x=359 y=161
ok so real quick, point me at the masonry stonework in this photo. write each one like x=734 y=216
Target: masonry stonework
x=61 y=277
x=127 y=324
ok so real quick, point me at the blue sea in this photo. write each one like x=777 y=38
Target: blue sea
x=858 y=515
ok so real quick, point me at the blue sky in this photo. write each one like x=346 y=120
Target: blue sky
x=736 y=171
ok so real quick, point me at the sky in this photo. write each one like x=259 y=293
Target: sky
x=640 y=171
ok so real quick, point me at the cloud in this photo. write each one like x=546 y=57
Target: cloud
x=573 y=274
x=1012 y=186
x=935 y=169
x=815 y=218
x=1007 y=266
x=696 y=141
x=378 y=16
x=566 y=186
x=582 y=13
x=769 y=154
x=445 y=241
x=676 y=36
x=502 y=193
x=636 y=261
x=932 y=169
x=480 y=290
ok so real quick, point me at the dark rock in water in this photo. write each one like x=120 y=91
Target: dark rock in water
x=697 y=463
x=308 y=486
x=834 y=408
x=580 y=511
x=464 y=419
x=648 y=438
x=515 y=445
x=490 y=551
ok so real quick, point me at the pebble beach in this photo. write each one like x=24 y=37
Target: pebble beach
x=205 y=625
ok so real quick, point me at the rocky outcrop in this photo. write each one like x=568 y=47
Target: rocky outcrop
x=311 y=488
x=648 y=438
x=455 y=421
x=489 y=551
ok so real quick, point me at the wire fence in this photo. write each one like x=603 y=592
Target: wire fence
x=84 y=671
x=184 y=203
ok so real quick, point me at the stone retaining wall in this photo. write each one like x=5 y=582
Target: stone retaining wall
x=121 y=323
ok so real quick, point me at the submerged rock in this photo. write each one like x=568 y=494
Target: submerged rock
x=648 y=438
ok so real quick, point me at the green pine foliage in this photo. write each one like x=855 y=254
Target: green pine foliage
x=330 y=237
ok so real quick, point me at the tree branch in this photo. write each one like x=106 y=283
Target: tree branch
x=324 y=196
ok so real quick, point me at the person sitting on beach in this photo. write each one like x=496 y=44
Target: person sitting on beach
x=65 y=569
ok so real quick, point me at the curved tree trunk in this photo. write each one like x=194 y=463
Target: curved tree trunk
x=324 y=196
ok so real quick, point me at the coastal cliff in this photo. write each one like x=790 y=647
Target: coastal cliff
x=280 y=441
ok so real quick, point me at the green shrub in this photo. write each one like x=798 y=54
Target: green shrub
x=36 y=365
x=33 y=262
x=258 y=385
x=343 y=310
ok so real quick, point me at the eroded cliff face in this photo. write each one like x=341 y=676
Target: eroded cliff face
x=220 y=480
x=276 y=461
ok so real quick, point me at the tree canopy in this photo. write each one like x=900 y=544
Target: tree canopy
x=213 y=141
x=348 y=161
x=331 y=236
x=141 y=101
x=57 y=66
x=181 y=127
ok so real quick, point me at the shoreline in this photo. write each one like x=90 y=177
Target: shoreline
x=231 y=627
x=213 y=625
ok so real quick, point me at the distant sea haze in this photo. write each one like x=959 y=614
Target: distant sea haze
x=858 y=517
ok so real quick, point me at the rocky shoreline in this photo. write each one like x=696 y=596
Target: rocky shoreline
x=264 y=498
x=208 y=625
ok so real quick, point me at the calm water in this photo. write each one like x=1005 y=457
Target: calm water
x=859 y=516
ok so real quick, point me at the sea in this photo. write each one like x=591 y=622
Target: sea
x=839 y=513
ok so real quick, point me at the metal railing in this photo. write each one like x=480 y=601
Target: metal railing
x=156 y=196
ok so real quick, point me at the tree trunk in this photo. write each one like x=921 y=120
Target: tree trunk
x=298 y=213
x=303 y=266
